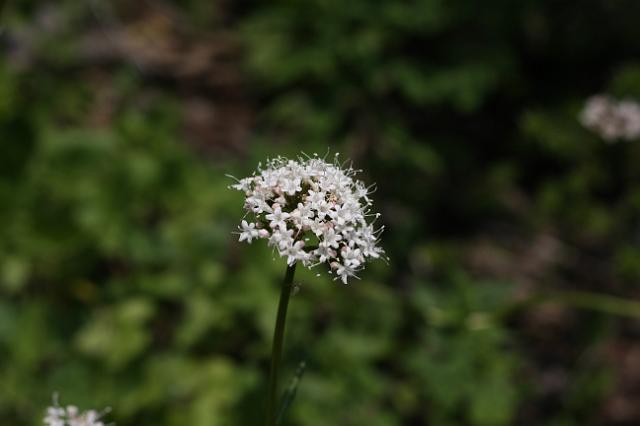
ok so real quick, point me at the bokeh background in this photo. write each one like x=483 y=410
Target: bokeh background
x=513 y=232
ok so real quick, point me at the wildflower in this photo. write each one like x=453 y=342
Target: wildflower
x=311 y=200
x=295 y=252
x=612 y=119
x=72 y=416
x=277 y=218
x=249 y=231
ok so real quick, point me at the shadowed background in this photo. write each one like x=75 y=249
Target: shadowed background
x=513 y=233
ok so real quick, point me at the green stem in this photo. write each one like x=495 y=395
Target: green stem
x=278 y=338
x=597 y=302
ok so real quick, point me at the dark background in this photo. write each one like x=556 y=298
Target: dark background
x=513 y=232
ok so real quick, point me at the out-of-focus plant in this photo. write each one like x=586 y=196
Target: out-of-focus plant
x=111 y=270
x=612 y=119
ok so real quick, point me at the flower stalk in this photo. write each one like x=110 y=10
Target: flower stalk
x=278 y=339
x=310 y=212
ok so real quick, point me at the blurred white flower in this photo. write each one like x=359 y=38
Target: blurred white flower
x=612 y=119
x=312 y=212
x=72 y=416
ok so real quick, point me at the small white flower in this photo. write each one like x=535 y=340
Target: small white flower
x=71 y=416
x=291 y=186
x=612 y=119
x=311 y=200
x=315 y=197
x=257 y=205
x=277 y=218
x=343 y=271
x=281 y=238
x=352 y=257
x=324 y=252
x=248 y=231
x=295 y=252
x=302 y=216
x=331 y=237
x=341 y=216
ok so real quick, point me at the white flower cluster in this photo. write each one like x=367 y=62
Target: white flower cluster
x=72 y=416
x=313 y=212
x=612 y=119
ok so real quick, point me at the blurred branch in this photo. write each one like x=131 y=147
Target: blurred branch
x=601 y=303
x=597 y=302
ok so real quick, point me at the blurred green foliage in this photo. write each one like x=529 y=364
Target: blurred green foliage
x=122 y=285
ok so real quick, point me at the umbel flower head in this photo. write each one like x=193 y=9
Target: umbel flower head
x=72 y=416
x=612 y=119
x=313 y=212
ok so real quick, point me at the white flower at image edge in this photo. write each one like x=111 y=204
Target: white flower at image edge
x=72 y=416
x=313 y=212
x=612 y=119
